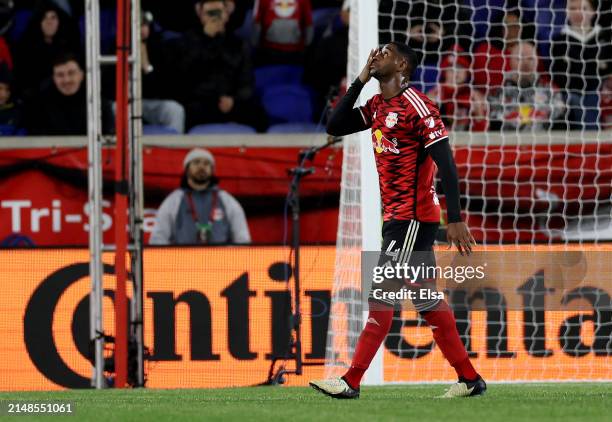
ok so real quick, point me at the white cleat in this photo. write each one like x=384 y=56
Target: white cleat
x=465 y=388
x=336 y=388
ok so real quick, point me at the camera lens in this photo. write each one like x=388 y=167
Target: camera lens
x=215 y=13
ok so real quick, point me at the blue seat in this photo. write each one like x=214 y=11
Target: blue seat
x=7 y=130
x=288 y=103
x=227 y=128
x=268 y=76
x=158 y=130
x=296 y=128
x=20 y=23
x=246 y=29
x=108 y=30
x=425 y=77
x=322 y=19
x=484 y=12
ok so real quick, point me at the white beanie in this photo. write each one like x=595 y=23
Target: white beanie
x=198 y=153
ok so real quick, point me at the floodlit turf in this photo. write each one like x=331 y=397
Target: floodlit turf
x=519 y=402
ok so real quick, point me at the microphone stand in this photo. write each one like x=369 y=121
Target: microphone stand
x=293 y=200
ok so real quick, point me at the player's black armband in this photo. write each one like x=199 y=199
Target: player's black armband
x=345 y=119
x=442 y=155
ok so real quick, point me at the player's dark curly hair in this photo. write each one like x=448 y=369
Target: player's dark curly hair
x=409 y=54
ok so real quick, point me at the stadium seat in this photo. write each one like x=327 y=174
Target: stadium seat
x=246 y=29
x=483 y=13
x=20 y=23
x=108 y=30
x=425 y=77
x=288 y=103
x=158 y=130
x=227 y=128
x=7 y=130
x=297 y=128
x=267 y=76
x=322 y=19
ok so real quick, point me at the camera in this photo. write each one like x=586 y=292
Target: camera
x=215 y=13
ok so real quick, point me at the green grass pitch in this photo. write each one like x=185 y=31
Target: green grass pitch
x=503 y=402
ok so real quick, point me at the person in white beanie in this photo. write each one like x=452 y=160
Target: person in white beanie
x=199 y=212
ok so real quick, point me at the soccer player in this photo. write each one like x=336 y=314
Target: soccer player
x=408 y=138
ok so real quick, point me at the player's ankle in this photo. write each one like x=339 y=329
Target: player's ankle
x=464 y=379
x=465 y=370
x=351 y=383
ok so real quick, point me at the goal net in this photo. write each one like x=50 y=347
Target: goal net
x=525 y=91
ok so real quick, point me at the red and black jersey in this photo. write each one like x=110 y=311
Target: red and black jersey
x=403 y=127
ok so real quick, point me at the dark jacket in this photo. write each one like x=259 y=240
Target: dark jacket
x=55 y=114
x=579 y=63
x=211 y=67
x=10 y=114
x=158 y=84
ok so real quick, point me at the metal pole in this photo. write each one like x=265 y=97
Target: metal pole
x=94 y=149
x=137 y=193
x=121 y=190
x=297 y=313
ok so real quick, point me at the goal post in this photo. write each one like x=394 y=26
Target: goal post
x=360 y=219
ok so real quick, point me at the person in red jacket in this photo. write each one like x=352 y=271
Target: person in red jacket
x=5 y=53
x=462 y=107
x=283 y=29
x=491 y=57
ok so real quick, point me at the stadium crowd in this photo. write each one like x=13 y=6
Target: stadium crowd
x=275 y=65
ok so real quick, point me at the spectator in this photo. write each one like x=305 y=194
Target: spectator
x=462 y=107
x=10 y=110
x=61 y=108
x=283 y=29
x=491 y=57
x=156 y=109
x=527 y=100
x=215 y=82
x=178 y=15
x=200 y=212
x=5 y=53
x=50 y=33
x=581 y=57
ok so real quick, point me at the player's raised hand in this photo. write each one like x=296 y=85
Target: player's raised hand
x=366 y=72
x=459 y=235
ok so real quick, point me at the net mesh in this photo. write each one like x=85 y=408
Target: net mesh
x=525 y=89
x=346 y=314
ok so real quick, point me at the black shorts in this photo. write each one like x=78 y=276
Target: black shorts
x=408 y=242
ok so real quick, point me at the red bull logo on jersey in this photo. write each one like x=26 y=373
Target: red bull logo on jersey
x=383 y=144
